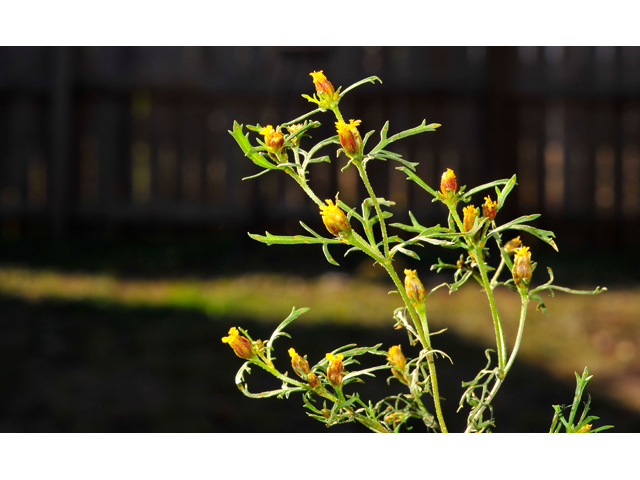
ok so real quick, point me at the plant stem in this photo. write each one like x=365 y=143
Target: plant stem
x=523 y=317
x=423 y=332
x=303 y=183
x=486 y=402
x=376 y=205
x=497 y=323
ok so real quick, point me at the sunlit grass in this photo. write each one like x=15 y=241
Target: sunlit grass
x=602 y=332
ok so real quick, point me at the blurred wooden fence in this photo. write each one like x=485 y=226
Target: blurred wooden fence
x=102 y=138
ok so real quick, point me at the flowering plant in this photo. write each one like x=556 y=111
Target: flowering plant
x=472 y=234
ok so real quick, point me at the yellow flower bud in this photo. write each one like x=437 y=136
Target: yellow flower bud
x=470 y=215
x=313 y=380
x=323 y=86
x=273 y=139
x=335 y=370
x=299 y=364
x=350 y=138
x=240 y=344
x=335 y=220
x=522 y=267
x=293 y=129
x=398 y=362
x=414 y=288
x=512 y=245
x=584 y=429
x=489 y=209
x=448 y=185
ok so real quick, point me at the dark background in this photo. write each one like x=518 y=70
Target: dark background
x=118 y=159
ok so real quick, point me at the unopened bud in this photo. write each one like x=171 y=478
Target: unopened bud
x=350 y=138
x=489 y=209
x=335 y=220
x=240 y=344
x=448 y=185
x=522 y=267
x=273 y=139
x=470 y=215
x=398 y=362
x=512 y=245
x=323 y=86
x=335 y=370
x=313 y=380
x=299 y=364
x=414 y=288
x=293 y=129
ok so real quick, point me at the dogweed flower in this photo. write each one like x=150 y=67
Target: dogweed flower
x=470 y=215
x=273 y=139
x=323 y=86
x=512 y=245
x=335 y=370
x=335 y=220
x=489 y=209
x=299 y=364
x=240 y=344
x=414 y=288
x=448 y=182
x=522 y=267
x=293 y=129
x=313 y=380
x=350 y=138
x=398 y=362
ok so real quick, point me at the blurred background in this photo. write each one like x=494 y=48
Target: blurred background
x=124 y=255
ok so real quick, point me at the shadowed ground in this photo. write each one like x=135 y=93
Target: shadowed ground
x=76 y=367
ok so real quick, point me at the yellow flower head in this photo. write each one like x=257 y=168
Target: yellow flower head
x=448 y=182
x=350 y=138
x=334 y=219
x=522 y=267
x=335 y=370
x=522 y=252
x=414 y=288
x=299 y=364
x=241 y=345
x=273 y=139
x=489 y=209
x=470 y=215
x=398 y=362
x=323 y=86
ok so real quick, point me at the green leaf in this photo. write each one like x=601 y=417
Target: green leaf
x=294 y=240
x=407 y=252
x=278 y=332
x=329 y=141
x=384 y=140
x=325 y=249
x=258 y=174
x=249 y=151
x=357 y=84
x=468 y=194
x=502 y=196
x=412 y=176
x=544 y=235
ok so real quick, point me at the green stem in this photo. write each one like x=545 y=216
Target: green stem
x=497 y=323
x=487 y=401
x=523 y=317
x=494 y=280
x=376 y=205
x=423 y=332
x=303 y=183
